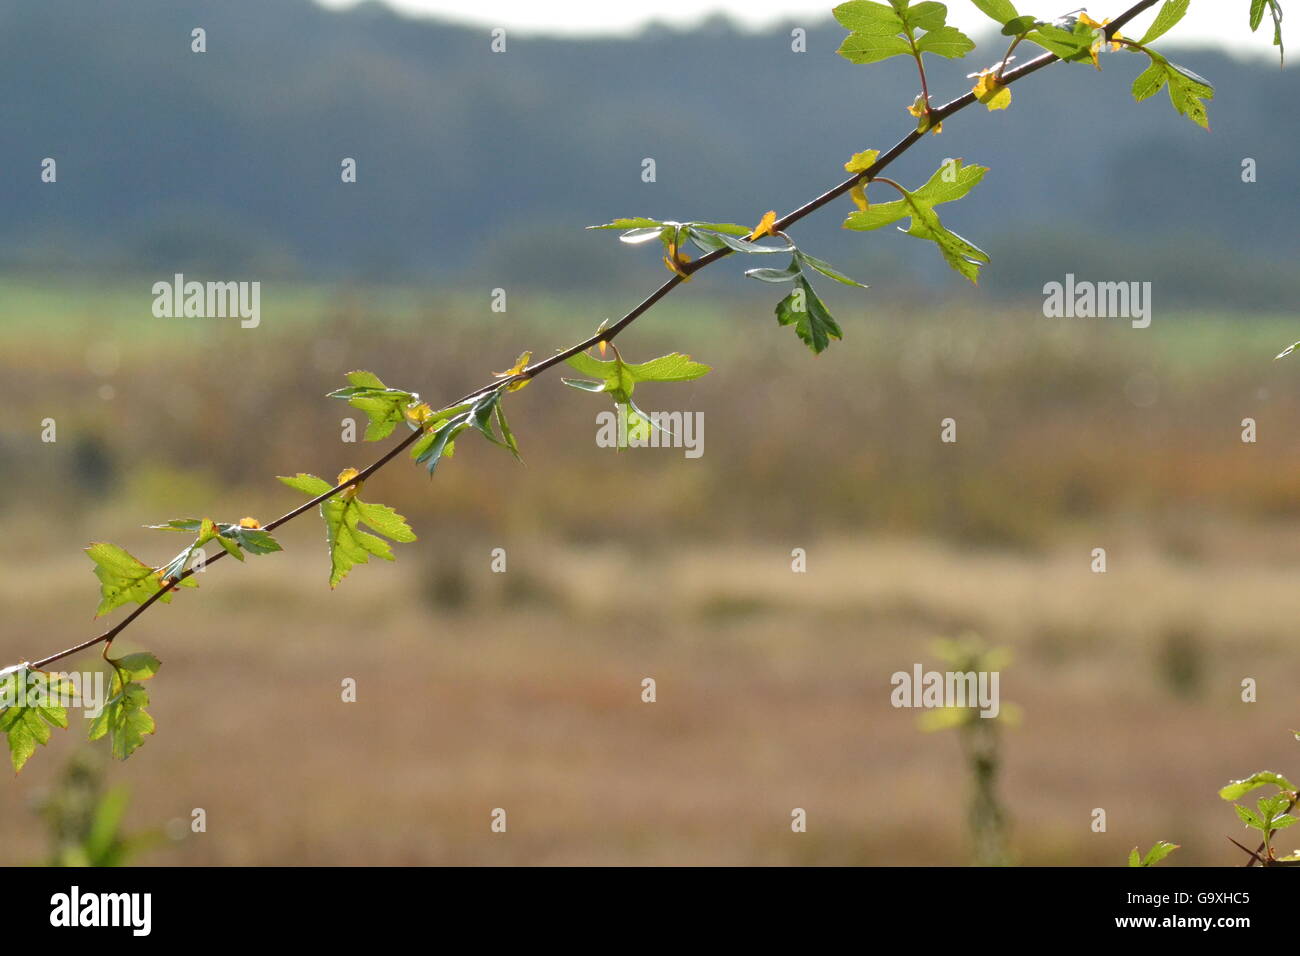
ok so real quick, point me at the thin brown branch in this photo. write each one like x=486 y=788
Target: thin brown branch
x=606 y=335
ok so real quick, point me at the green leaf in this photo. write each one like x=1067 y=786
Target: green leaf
x=1239 y=788
x=619 y=378
x=124 y=717
x=1249 y=817
x=633 y=223
x=951 y=181
x=1257 y=17
x=439 y=439
x=1018 y=26
x=947 y=42
x=309 y=485
x=1154 y=855
x=872 y=48
x=826 y=269
x=788 y=274
x=1071 y=45
x=343 y=515
x=124 y=578
x=809 y=316
x=384 y=407
x=1166 y=19
x=176 y=568
x=715 y=240
x=999 y=10
x=141 y=666
x=1149 y=81
x=927 y=15
x=1186 y=91
x=729 y=228
x=863 y=16
x=29 y=706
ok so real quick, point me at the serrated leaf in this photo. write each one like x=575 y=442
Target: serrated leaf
x=826 y=269
x=1149 y=82
x=950 y=182
x=872 y=48
x=384 y=407
x=999 y=10
x=812 y=321
x=863 y=16
x=1166 y=19
x=123 y=578
x=1248 y=816
x=124 y=719
x=1154 y=855
x=947 y=42
x=343 y=515
x=29 y=707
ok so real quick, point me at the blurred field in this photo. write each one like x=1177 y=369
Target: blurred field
x=522 y=690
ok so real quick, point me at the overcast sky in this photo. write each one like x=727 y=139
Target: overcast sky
x=610 y=16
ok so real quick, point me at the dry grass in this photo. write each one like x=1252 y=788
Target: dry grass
x=522 y=690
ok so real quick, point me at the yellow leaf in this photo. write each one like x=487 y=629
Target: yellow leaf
x=921 y=110
x=994 y=95
x=675 y=260
x=1096 y=47
x=861 y=162
x=418 y=414
x=603 y=345
x=252 y=523
x=521 y=363
x=764 y=227
x=859 y=195
x=347 y=474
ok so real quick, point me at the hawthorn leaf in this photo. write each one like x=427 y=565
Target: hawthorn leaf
x=1275 y=11
x=635 y=222
x=1158 y=852
x=1239 y=788
x=124 y=717
x=872 y=48
x=951 y=181
x=826 y=269
x=788 y=274
x=809 y=316
x=927 y=15
x=1000 y=10
x=384 y=407
x=123 y=578
x=863 y=16
x=30 y=705
x=344 y=514
x=1165 y=20
x=947 y=42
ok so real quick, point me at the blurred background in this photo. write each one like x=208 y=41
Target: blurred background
x=522 y=690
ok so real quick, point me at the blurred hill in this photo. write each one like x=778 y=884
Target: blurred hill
x=483 y=165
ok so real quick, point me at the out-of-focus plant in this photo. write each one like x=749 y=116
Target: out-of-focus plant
x=980 y=738
x=84 y=818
